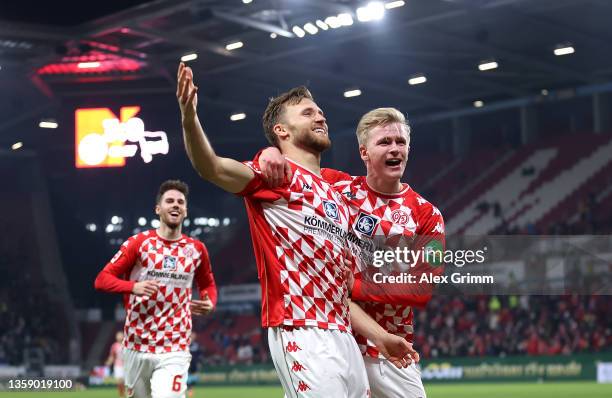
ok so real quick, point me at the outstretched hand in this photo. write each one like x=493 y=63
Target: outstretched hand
x=186 y=92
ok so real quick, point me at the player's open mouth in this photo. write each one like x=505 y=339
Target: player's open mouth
x=320 y=131
x=175 y=213
x=393 y=162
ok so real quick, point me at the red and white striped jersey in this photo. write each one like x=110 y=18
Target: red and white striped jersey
x=385 y=222
x=160 y=323
x=298 y=232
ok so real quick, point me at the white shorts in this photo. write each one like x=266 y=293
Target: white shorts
x=156 y=375
x=318 y=363
x=387 y=381
x=118 y=372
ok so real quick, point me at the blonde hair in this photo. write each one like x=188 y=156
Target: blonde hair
x=380 y=117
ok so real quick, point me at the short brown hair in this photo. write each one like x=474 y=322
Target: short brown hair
x=380 y=117
x=276 y=107
x=172 y=184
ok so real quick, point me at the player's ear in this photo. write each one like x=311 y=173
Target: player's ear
x=281 y=131
x=363 y=153
x=157 y=209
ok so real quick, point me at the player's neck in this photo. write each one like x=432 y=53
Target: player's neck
x=383 y=185
x=169 y=233
x=310 y=160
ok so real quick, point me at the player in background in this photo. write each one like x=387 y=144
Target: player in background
x=115 y=359
x=385 y=214
x=155 y=270
x=298 y=236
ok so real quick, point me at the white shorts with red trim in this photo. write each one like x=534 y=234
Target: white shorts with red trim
x=150 y=375
x=387 y=381
x=318 y=363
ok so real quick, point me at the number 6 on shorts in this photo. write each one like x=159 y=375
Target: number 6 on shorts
x=176 y=383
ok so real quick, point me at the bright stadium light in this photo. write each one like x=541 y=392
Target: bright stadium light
x=352 y=93
x=234 y=46
x=88 y=65
x=91 y=227
x=155 y=223
x=16 y=145
x=333 y=22
x=189 y=57
x=299 y=32
x=544 y=91
x=478 y=104
x=109 y=228
x=48 y=124
x=226 y=221
x=187 y=222
x=142 y=221
x=394 y=4
x=487 y=65
x=237 y=116
x=371 y=12
x=273 y=35
x=322 y=24
x=310 y=28
x=247 y=1
x=345 y=19
x=417 y=79
x=564 y=49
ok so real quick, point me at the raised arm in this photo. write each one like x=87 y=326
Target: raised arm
x=226 y=173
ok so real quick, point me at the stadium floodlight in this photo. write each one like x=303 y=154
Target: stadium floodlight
x=155 y=223
x=226 y=221
x=109 y=228
x=310 y=28
x=345 y=19
x=142 y=221
x=116 y=220
x=273 y=35
x=371 y=12
x=16 y=145
x=322 y=24
x=234 y=46
x=478 y=104
x=186 y=222
x=352 y=93
x=247 y=1
x=394 y=4
x=488 y=65
x=237 y=116
x=48 y=124
x=299 y=32
x=91 y=227
x=189 y=57
x=544 y=91
x=333 y=22
x=564 y=49
x=88 y=65
x=417 y=79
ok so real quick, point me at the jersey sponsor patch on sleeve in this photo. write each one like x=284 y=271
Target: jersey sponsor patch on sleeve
x=117 y=256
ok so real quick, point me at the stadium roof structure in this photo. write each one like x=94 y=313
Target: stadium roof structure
x=54 y=51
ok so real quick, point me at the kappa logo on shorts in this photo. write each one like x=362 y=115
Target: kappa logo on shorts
x=303 y=386
x=169 y=263
x=297 y=367
x=292 y=347
x=366 y=224
x=331 y=210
